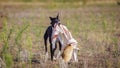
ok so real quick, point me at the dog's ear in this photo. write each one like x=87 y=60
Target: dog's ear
x=57 y=16
x=51 y=18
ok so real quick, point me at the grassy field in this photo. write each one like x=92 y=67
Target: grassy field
x=95 y=27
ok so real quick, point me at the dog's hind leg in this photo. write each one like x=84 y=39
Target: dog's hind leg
x=60 y=48
x=54 y=50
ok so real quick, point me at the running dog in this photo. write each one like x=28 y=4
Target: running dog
x=48 y=34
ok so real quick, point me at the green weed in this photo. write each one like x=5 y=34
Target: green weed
x=7 y=57
x=18 y=38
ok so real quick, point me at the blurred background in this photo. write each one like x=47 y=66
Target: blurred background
x=95 y=24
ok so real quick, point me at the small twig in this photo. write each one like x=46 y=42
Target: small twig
x=3 y=65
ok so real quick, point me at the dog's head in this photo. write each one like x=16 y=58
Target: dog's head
x=54 y=20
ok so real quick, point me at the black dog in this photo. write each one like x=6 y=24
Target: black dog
x=48 y=34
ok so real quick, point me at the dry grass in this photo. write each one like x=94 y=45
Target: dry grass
x=96 y=28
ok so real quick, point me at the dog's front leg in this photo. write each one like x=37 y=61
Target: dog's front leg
x=58 y=55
